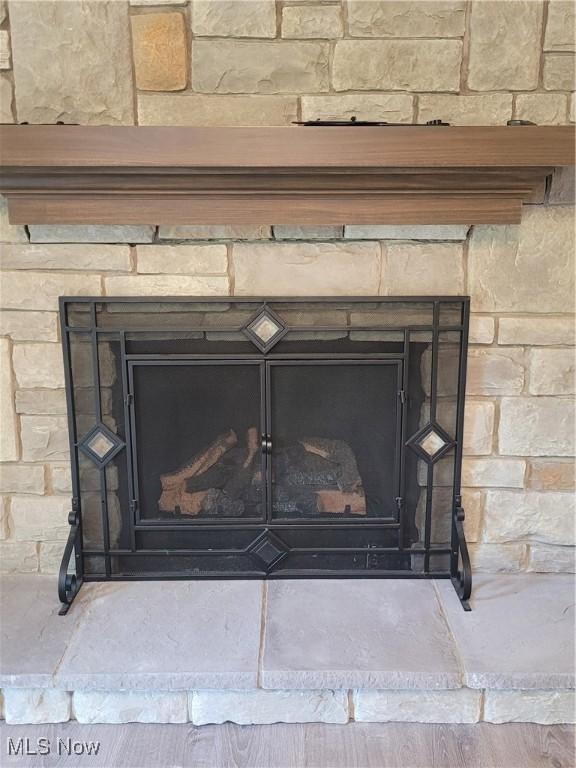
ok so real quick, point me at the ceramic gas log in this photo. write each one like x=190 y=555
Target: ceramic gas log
x=313 y=476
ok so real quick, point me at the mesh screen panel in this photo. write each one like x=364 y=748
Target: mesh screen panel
x=335 y=440
x=198 y=441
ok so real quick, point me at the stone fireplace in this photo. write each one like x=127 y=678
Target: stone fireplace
x=102 y=221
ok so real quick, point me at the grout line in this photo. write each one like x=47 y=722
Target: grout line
x=345 y=20
x=132 y=81
x=450 y=632
x=544 y=23
x=465 y=261
x=482 y=705
x=188 y=37
x=383 y=258
x=264 y=605
x=82 y=604
x=465 y=59
x=48 y=482
x=495 y=445
x=278 y=9
x=9 y=523
x=351 y=709
x=330 y=68
x=133 y=257
x=230 y=271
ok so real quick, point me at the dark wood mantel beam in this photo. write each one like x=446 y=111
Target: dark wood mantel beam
x=304 y=175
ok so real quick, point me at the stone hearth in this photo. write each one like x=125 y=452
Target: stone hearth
x=208 y=652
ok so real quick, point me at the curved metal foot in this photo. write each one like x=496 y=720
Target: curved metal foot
x=69 y=583
x=461 y=578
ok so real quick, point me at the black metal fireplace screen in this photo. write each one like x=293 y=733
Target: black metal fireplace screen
x=265 y=438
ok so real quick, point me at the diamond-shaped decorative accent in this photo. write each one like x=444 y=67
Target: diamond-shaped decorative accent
x=431 y=442
x=100 y=444
x=265 y=329
x=268 y=548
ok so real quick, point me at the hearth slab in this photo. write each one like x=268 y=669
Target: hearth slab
x=33 y=637
x=166 y=635
x=520 y=632
x=319 y=634
x=365 y=633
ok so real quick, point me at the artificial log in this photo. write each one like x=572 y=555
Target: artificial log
x=243 y=475
x=214 y=481
x=340 y=503
x=217 y=476
x=180 y=501
x=337 y=452
x=218 y=503
x=313 y=476
x=202 y=461
x=228 y=501
x=176 y=496
x=221 y=473
x=317 y=476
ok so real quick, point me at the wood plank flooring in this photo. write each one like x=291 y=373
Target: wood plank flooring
x=357 y=745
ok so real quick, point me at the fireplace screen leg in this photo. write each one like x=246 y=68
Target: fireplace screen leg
x=461 y=576
x=69 y=583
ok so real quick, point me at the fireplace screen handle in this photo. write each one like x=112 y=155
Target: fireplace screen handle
x=267 y=444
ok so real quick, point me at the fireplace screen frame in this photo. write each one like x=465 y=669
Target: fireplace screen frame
x=267 y=538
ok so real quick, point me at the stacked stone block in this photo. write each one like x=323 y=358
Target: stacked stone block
x=268 y=62
x=263 y=707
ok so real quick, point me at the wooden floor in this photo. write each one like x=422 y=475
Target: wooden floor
x=394 y=745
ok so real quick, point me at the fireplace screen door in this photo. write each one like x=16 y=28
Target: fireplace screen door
x=253 y=438
x=333 y=429
x=196 y=442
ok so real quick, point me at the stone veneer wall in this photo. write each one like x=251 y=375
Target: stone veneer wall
x=261 y=62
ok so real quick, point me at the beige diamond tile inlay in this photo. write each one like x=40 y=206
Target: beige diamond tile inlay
x=432 y=443
x=265 y=328
x=100 y=444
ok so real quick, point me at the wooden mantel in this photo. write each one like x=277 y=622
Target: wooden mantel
x=295 y=175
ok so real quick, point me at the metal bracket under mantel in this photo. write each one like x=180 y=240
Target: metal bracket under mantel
x=61 y=174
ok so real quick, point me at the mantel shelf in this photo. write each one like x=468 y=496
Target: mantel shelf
x=293 y=175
